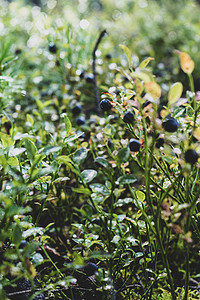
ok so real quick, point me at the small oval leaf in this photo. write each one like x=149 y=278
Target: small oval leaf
x=88 y=175
x=153 y=89
x=80 y=155
x=175 y=92
x=187 y=64
x=140 y=195
x=127 y=179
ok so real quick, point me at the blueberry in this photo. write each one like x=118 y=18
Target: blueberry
x=97 y=222
x=80 y=121
x=191 y=156
x=171 y=125
x=105 y=105
x=52 y=47
x=108 y=56
x=134 y=145
x=89 y=78
x=23 y=244
x=90 y=269
x=160 y=142
x=110 y=144
x=129 y=117
x=76 y=110
x=18 y=51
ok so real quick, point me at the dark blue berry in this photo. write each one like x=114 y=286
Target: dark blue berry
x=76 y=110
x=89 y=78
x=90 y=269
x=134 y=145
x=160 y=142
x=108 y=56
x=97 y=222
x=52 y=47
x=129 y=117
x=23 y=244
x=105 y=105
x=191 y=156
x=80 y=121
x=171 y=125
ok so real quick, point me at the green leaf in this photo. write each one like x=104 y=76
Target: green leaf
x=109 y=130
x=37 y=259
x=80 y=155
x=123 y=155
x=81 y=191
x=72 y=137
x=64 y=159
x=6 y=140
x=50 y=149
x=30 y=149
x=175 y=93
x=153 y=89
x=100 y=188
x=17 y=235
x=122 y=202
x=145 y=62
x=140 y=195
x=13 y=161
x=127 y=52
x=30 y=119
x=3 y=161
x=68 y=125
x=102 y=162
x=88 y=175
x=127 y=179
x=16 y=151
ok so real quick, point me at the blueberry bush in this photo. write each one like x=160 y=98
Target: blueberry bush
x=99 y=150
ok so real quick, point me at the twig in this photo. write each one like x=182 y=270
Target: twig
x=96 y=92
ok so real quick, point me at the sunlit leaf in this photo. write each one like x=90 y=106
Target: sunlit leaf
x=68 y=125
x=196 y=134
x=80 y=155
x=13 y=161
x=127 y=52
x=175 y=93
x=127 y=179
x=88 y=175
x=153 y=89
x=140 y=195
x=6 y=140
x=30 y=119
x=145 y=62
x=187 y=64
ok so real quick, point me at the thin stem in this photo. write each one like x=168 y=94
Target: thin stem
x=97 y=98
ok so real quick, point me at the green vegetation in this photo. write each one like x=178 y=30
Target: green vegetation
x=99 y=150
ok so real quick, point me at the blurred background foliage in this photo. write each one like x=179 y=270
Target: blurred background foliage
x=148 y=28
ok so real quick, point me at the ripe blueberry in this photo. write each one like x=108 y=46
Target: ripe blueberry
x=80 y=121
x=134 y=145
x=89 y=78
x=129 y=117
x=105 y=105
x=90 y=269
x=108 y=56
x=191 y=156
x=23 y=244
x=171 y=125
x=160 y=142
x=76 y=110
x=52 y=47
